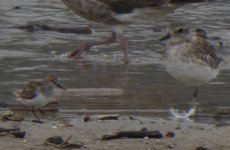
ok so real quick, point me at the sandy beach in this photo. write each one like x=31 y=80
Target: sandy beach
x=187 y=135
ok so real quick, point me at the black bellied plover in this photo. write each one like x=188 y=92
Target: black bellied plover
x=190 y=58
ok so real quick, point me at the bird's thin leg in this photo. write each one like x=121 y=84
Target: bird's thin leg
x=42 y=112
x=87 y=45
x=195 y=95
x=191 y=112
x=124 y=45
x=77 y=52
x=38 y=120
x=56 y=103
x=35 y=113
x=112 y=39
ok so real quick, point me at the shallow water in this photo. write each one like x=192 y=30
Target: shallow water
x=100 y=79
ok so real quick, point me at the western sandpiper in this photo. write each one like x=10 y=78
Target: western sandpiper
x=190 y=58
x=116 y=14
x=37 y=94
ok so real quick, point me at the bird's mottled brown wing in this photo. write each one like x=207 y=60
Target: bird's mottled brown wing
x=35 y=83
x=28 y=92
x=93 y=10
x=204 y=51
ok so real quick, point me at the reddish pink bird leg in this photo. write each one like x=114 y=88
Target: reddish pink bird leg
x=77 y=52
x=87 y=45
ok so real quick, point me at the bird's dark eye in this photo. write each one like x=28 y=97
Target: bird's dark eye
x=180 y=30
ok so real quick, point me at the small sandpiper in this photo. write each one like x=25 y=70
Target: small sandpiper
x=190 y=58
x=37 y=94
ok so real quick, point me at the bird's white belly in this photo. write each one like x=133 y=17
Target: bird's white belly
x=37 y=102
x=190 y=73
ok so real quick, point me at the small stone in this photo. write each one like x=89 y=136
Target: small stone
x=20 y=134
x=132 y=118
x=86 y=118
x=55 y=140
x=17 y=7
x=169 y=147
x=3 y=105
x=54 y=127
x=170 y=134
x=178 y=128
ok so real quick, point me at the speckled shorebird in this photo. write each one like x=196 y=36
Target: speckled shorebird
x=37 y=94
x=116 y=14
x=190 y=58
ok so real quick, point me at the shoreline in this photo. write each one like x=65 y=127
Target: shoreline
x=188 y=135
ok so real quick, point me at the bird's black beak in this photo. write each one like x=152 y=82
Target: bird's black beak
x=58 y=85
x=166 y=37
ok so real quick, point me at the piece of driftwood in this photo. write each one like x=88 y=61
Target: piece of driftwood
x=100 y=117
x=13 y=117
x=16 y=132
x=8 y=115
x=9 y=130
x=132 y=134
x=58 y=142
x=32 y=27
x=201 y=148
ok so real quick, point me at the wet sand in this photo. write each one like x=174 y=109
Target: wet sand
x=188 y=135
